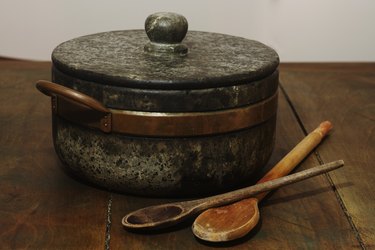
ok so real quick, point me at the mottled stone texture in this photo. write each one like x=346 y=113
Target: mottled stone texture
x=187 y=100
x=166 y=27
x=118 y=58
x=219 y=72
x=161 y=166
x=166 y=31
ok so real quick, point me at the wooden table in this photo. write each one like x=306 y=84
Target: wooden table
x=41 y=207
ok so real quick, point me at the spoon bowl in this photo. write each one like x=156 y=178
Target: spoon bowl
x=226 y=226
x=158 y=216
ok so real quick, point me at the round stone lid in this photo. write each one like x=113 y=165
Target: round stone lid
x=164 y=58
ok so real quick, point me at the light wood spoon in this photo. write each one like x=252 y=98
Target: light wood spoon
x=236 y=220
x=168 y=214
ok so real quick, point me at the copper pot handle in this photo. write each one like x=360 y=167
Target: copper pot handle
x=76 y=106
x=53 y=89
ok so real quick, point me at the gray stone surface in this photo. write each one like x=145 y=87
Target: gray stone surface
x=210 y=99
x=164 y=166
x=166 y=27
x=118 y=58
x=124 y=70
x=166 y=31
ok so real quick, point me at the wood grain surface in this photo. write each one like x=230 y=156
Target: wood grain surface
x=303 y=215
x=41 y=207
x=344 y=93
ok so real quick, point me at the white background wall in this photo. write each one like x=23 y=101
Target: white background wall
x=300 y=30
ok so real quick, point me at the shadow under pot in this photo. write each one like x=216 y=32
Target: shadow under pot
x=185 y=114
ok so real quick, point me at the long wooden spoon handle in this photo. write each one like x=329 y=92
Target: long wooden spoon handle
x=298 y=153
x=239 y=194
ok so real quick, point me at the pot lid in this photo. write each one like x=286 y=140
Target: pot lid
x=166 y=56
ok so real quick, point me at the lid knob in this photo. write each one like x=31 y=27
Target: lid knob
x=166 y=31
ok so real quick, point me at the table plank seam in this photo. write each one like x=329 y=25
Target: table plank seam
x=341 y=202
x=108 y=223
x=328 y=177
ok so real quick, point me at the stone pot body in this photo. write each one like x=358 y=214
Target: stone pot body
x=213 y=73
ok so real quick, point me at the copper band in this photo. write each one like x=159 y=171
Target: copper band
x=192 y=123
x=79 y=110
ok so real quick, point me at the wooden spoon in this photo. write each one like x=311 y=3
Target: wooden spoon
x=168 y=214
x=236 y=220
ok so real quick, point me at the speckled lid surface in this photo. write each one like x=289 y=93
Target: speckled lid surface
x=121 y=58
